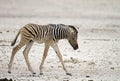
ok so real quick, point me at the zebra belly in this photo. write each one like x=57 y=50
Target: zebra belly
x=42 y=40
x=39 y=41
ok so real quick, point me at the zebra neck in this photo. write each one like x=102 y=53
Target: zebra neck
x=61 y=34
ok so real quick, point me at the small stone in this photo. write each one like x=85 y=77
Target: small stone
x=7 y=31
x=9 y=72
x=69 y=74
x=90 y=80
x=112 y=68
x=87 y=76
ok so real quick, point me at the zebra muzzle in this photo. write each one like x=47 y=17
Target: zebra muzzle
x=76 y=47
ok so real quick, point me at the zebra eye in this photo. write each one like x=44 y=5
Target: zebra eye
x=73 y=38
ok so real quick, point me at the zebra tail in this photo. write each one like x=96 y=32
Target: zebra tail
x=14 y=41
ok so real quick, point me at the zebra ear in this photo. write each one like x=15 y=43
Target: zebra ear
x=73 y=29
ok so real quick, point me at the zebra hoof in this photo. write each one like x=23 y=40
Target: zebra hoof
x=69 y=74
x=33 y=73
x=41 y=73
x=9 y=72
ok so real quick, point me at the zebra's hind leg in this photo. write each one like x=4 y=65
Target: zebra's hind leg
x=25 y=54
x=15 y=49
x=44 y=57
x=55 y=47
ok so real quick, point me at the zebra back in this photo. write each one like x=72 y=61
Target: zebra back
x=50 y=31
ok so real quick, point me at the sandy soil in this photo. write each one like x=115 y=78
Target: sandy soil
x=97 y=58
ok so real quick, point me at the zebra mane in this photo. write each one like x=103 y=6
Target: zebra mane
x=56 y=24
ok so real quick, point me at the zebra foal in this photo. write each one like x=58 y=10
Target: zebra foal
x=50 y=35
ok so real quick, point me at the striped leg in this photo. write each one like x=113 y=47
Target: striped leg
x=44 y=57
x=55 y=47
x=26 y=52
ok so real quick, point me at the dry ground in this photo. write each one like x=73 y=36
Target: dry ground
x=98 y=24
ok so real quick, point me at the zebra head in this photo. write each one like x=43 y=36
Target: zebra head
x=72 y=37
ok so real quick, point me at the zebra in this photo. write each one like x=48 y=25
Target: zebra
x=49 y=34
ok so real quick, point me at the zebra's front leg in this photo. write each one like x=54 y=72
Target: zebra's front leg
x=25 y=53
x=55 y=47
x=44 y=57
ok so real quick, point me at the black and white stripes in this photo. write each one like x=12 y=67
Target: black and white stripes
x=38 y=32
